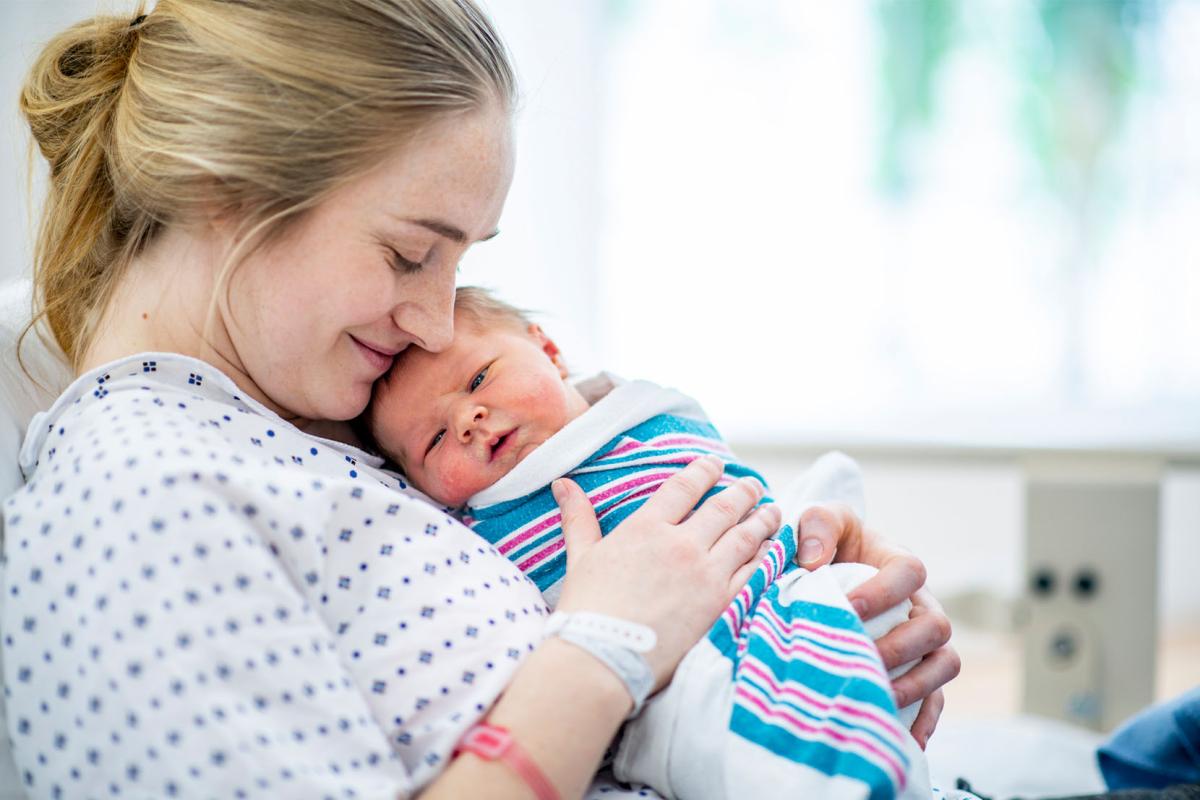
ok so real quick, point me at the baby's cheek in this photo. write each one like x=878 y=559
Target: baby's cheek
x=548 y=399
x=458 y=479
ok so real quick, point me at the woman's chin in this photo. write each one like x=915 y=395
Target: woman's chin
x=343 y=406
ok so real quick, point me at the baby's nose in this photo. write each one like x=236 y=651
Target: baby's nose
x=469 y=422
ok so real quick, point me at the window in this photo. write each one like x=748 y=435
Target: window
x=928 y=221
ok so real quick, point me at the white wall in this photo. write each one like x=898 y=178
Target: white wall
x=24 y=26
x=964 y=515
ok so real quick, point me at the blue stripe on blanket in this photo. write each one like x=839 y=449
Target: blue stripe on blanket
x=817 y=706
x=822 y=757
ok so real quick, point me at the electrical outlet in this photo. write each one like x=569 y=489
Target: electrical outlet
x=1091 y=570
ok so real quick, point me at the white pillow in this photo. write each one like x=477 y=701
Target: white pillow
x=21 y=396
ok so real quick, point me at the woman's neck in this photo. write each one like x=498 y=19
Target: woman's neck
x=164 y=303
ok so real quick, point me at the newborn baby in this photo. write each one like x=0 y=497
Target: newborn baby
x=786 y=693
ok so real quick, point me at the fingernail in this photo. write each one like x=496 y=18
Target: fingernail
x=860 y=607
x=556 y=489
x=810 y=551
x=714 y=460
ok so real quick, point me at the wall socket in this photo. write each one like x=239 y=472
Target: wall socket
x=1091 y=572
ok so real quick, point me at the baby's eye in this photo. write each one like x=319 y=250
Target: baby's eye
x=478 y=379
x=437 y=437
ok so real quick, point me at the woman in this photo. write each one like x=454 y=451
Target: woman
x=252 y=208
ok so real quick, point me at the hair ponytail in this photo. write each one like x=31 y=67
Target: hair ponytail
x=70 y=100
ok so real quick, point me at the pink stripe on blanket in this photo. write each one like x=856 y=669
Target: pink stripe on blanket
x=782 y=690
x=797 y=724
x=695 y=441
x=630 y=498
x=786 y=649
x=861 y=642
x=621 y=448
x=548 y=550
x=515 y=541
x=629 y=484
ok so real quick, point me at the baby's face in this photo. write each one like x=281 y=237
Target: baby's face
x=459 y=420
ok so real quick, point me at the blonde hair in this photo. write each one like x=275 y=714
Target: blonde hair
x=474 y=304
x=261 y=107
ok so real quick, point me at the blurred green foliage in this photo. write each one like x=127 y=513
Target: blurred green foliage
x=916 y=37
x=1077 y=69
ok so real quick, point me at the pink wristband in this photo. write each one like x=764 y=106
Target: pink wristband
x=493 y=743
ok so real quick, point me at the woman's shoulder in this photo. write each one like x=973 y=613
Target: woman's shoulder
x=149 y=417
x=152 y=437
x=163 y=401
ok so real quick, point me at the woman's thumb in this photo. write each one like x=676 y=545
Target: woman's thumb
x=820 y=530
x=579 y=524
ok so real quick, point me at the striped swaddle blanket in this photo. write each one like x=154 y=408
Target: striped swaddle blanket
x=809 y=692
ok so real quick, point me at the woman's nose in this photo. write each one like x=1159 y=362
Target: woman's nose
x=470 y=415
x=438 y=333
x=428 y=317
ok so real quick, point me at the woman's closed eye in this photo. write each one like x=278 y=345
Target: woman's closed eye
x=402 y=264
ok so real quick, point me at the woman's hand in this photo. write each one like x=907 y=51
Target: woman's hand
x=835 y=533
x=674 y=576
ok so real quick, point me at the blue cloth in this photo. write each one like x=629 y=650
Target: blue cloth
x=1159 y=747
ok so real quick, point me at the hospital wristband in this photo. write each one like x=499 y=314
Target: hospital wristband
x=617 y=643
x=493 y=743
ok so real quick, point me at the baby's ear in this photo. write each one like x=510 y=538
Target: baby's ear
x=548 y=347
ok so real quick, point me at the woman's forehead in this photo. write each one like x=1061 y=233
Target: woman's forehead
x=456 y=175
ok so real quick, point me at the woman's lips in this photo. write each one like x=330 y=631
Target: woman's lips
x=380 y=361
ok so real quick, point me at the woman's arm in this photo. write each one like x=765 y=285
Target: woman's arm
x=563 y=706
x=831 y=533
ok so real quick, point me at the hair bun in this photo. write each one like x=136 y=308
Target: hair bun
x=73 y=85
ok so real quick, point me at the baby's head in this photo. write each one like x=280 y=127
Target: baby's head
x=459 y=420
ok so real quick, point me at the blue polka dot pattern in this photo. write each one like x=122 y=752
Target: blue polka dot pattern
x=203 y=601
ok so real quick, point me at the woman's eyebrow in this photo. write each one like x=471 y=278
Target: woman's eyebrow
x=449 y=231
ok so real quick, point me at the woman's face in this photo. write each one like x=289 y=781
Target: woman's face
x=316 y=316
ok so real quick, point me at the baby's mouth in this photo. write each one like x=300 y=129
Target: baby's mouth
x=500 y=444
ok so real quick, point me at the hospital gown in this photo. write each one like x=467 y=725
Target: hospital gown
x=204 y=601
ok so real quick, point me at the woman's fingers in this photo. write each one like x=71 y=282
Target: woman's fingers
x=931 y=674
x=823 y=529
x=719 y=514
x=925 y=631
x=679 y=494
x=900 y=575
x=579 y=524
x=744 y=572
x=742 y=545
x=927 y=720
